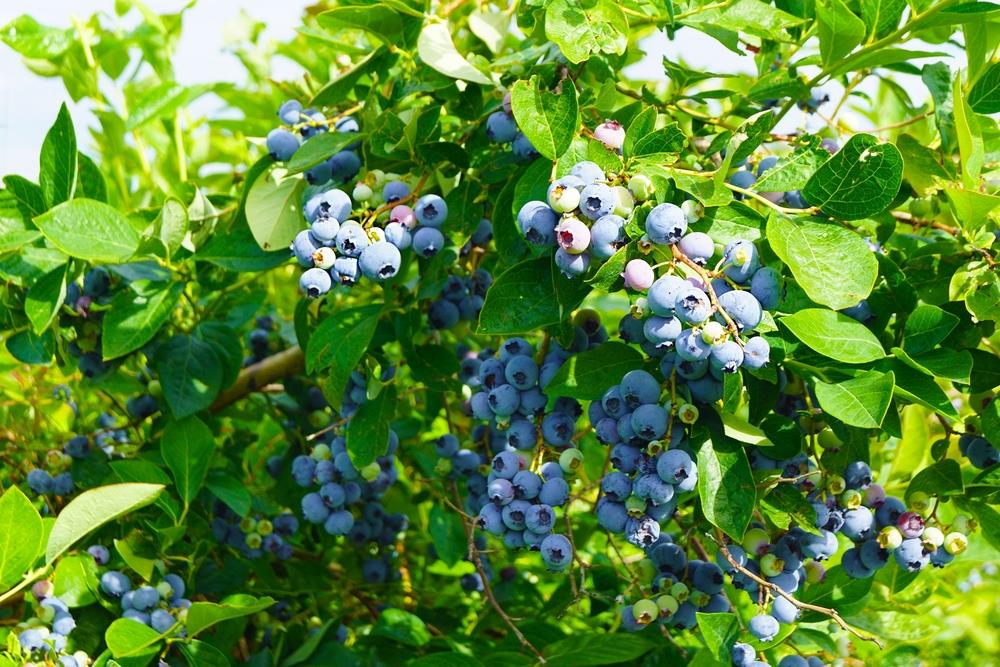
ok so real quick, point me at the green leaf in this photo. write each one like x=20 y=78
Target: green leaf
x=726 y=486
x=529 y=296
x=921 y=165
x=943 y=478
x=549 y=120
x=128 y=638
x=662 y=143
x=447 y=534
x=129 y=550
x=585 y=375
x=582 y=28
x=954 y=365
x=92 y=509
x=339 y=342
x=90 y=181
x=134 y=319
x=926 y=327
x=27 y=193
x=161 y=101
x=861 y=401
x=752 y=133
x=229 y=490
x=236 y=250
x=749 y=16
x=187 y=446
x=274 y=209
x=203 y=615
x=45 y=297
x=75 y=581
x=444 y=660
x=438 y=51
x=34 y=40
x=376 y=19
x=793 y=171
x=490 y=27
x=985 y=94
x=836 y=590
x=834 y=335
x=402 y=626
x=832 y=264
x=859 y=181
x=720 y=632
x=318 y=148
x=20 y=536
x=970 y=138
x=784 y=504
x=58 y=160
x=839 y=30
x=190 y=372
x=918 y=387
x=882 y=16
x=172 y=225
x=368 y=430
x=732 y=222
x=89 y=230
x=434 y=366
x=204 y=654
x=589 y=649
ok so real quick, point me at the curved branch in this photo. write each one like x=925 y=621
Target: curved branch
x=257 y=376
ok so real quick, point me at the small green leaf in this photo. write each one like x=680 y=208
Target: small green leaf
x=438 y=51
x=273 y=209
x=882 y=16
x=859 y=181
x=134 y=319
x=127 y=638
x=582 y=28
x=403 y=627
x=203 y=615
x=33 y=40
x=340 y=341
x=726 y=486
x=236 y=250
x=549 y=119
x=720 y=632
x=89 y=230
x=861 y=401
x=447 y=534
x=318 y=148
x=839 y=30
x=92 y=509
x=190 y=372
x=75 y=581
x=971 y=146
x=45 y=297
x=90 y=181
x=583 y=649
x=187 y=446
x=585 y=375
x=985 y=94
x=834 y=335
x=528 y=296
x=943 y=478
x=58 y=160
x=162 y=101
x=926 y=327
x=20 y=536
x=368 y=430
x=204 y=654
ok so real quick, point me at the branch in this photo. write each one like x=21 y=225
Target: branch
x=774 y=589
x=257 y=376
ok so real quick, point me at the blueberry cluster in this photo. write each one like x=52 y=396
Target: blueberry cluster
x=511 y=501
x=87 y=303
x=44 y=639
x=301 y=124
x=652 y=465
x=584 y=217
x=337 y=488
x=256 y=535
x=461 y=299
x=681 y=587
x=161 y=607
x=510 y=386
x=501 y=128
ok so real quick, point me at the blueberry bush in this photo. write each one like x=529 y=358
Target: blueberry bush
x=470 y=345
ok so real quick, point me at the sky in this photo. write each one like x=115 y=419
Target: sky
x=29 y=103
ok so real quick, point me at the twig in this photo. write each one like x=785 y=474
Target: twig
x=488 y=589
x=774 y=589
x=259 y=375
x=707 y=280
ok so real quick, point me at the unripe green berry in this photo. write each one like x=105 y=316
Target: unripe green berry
x=687 y=413
x=963 y=524
x=625 y=202
x=851 y=499
x=361 y=192
x=323 y=258
x=889 y=537
x=680 y=591
x=932 y=536
x=693 y=210
x=248 y=525
x=443 y=467
x=254 y=540
x=919 y=501
x=564 y=198
x=713 y=332
x=645 y=612
x=635 y=506
x=771 y=565
x=154 y=388
x=668 y=605
x=570 y=459
x=754 y=540
x=320 y=452
x=835 y=484
x=265 y=527
x=955 y=543
x=641 y=187
x=370 y=471
x=699 y=598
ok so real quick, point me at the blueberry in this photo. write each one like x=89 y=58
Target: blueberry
x=650 y=487
x=676 y=467
x=743 y=308
x=784 y=611
x=558 y=429
x=282 y=144
x=853 y=567
x=380 y=261
x=491 y=520
x=649 y=421
x=339 y=522
x=642 y=531
x=692 y=305
x=304 y=247
x=320 y=174
x=727 y=356
x=662 y=330
x=351 y=239
x=741 y=259
x=289 y=112
x=332 y=203
x=522 y=148
x=100 y=553
x=742 y=179
x=612 y=515
x=607 y=236
x=394 y=191
x=571 y=265
x=637 y=388
x=617 y=486
x=859 y=524
x=765 y=285
x=857 y=475
x=315 y=282
x=539 y=519
x=428 y=241
x=690 y=346
x=431 y=210
x=756 y=353
x=572 y=235
x=344 y=166
x=557 y=552
x=314 y=509
x=597 y=200
x=515 y=513
x=764 y=627
x=115 y=583
x=500 y=491
x=500 y=127
x=555 y=492
x=521 y=372
x=742 y=654
x=588 y=172
x=62 y=484
x=77 y=447
x=666 y=224
x=537 y=221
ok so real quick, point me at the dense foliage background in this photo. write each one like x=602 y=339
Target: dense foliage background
x=173 y=401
